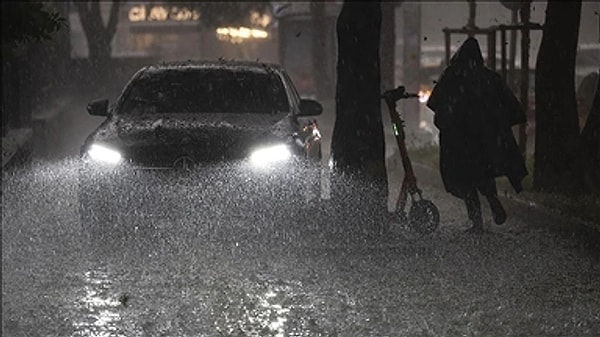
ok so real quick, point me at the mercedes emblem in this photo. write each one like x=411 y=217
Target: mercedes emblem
x=184 y=163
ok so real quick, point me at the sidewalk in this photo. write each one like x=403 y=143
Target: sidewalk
x=17 y=146
x=46 y=119
x=21 y=145
x=530 y=206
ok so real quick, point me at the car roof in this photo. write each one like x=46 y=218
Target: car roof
x=213 y=64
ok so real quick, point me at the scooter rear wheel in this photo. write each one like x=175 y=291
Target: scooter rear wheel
x=423 y=217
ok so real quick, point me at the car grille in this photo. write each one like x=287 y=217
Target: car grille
x=175 y=158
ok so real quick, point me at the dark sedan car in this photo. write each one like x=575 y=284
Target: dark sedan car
x=235 y=125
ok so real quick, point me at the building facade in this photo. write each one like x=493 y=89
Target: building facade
x=170 y=31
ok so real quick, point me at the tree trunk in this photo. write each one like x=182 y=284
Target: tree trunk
x=98 y=35
x=99 y=51
x=388 y=45
x=557 y=168
x=358 y=147
x=590 y=145
x=525 y=12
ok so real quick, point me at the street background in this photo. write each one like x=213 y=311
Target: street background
x=281 y=272
x=195 y=275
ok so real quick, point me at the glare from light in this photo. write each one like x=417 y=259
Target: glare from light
x=258 y=19
x=137 y=13
x=270 y=155
x=158 y=13
x=237 y=35
x=103 y=154
x=424 y=95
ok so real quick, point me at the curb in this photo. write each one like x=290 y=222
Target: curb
x=16 y=146
x=552 y=212
x=19 y=144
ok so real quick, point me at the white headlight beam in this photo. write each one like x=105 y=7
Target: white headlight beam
x=270 y=155
x=103 y=154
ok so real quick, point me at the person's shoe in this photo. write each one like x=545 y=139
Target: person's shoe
x=497 y=210
x=475 y=229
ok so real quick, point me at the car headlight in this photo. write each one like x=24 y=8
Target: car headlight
x=270 y=155
x=104 y=154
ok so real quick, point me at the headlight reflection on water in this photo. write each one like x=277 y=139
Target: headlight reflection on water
x=102 y=318
x=260 y=314
x=278 y=323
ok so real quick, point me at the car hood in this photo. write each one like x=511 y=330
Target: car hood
x=202 y=136
x=151 y=129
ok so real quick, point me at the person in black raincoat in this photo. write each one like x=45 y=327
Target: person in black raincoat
x=474 y=111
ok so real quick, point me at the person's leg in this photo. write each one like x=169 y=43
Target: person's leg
x=474 y=210
x=497 y=209
x=488 y=188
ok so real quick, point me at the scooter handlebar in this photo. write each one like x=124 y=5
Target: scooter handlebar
x=397 y=94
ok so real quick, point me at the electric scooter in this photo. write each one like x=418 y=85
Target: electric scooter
x=423 y=216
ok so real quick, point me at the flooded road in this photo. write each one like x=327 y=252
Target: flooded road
x=266 y=274
x=183 y=275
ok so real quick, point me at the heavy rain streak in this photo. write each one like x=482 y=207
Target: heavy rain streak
x=265 y=169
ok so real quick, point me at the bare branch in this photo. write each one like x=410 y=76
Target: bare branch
x=111 y=27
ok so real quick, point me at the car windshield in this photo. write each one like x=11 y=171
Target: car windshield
x=206 y=91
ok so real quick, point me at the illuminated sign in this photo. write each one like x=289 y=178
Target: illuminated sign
x=241 y=34
x=238 y=35
x=142 y=13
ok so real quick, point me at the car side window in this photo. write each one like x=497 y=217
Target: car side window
x=137 y=102
x=292 y=92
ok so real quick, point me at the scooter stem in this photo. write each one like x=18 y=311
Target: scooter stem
x=398 y=125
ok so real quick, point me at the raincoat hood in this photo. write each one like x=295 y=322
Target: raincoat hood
x=468 y=55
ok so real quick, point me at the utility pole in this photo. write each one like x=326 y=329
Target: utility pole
x=472 y=14
x=411 y=65
x=513 y=49
x=525 y=12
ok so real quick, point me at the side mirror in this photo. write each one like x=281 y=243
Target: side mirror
x=98 y=107
x=310 y=107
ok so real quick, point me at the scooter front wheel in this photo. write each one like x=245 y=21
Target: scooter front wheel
x=423 y=217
